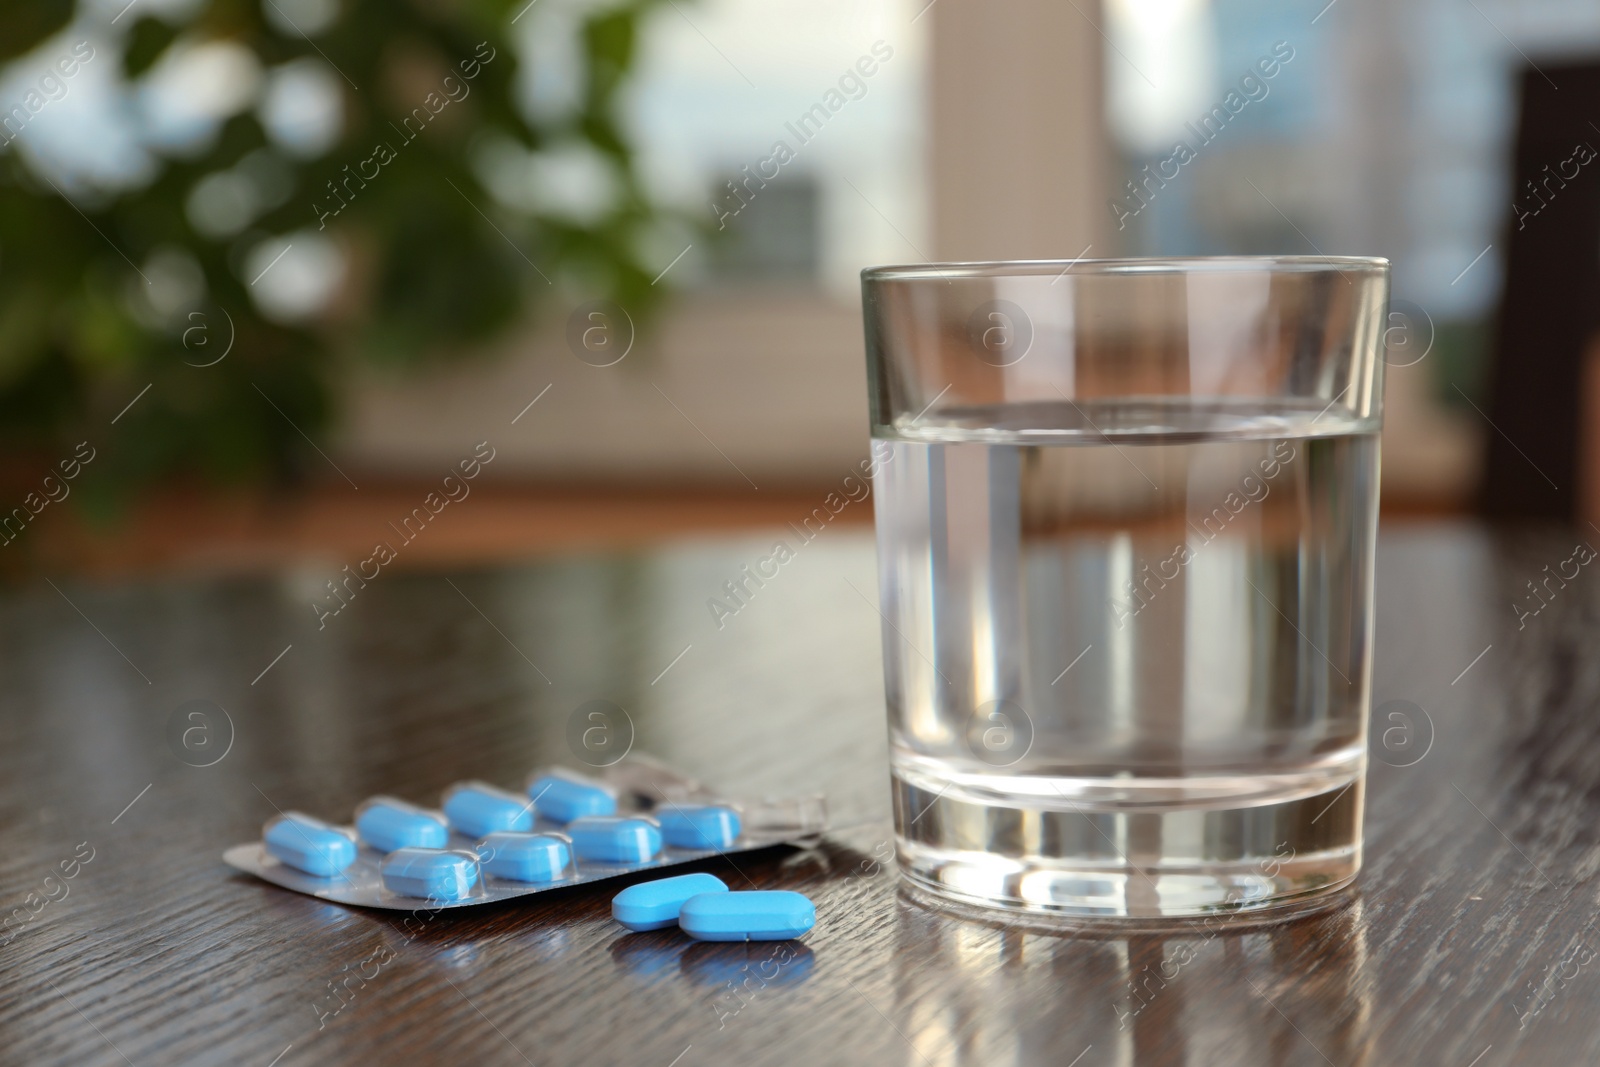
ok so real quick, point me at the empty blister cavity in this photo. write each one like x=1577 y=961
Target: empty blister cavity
x=761 y=915
x=308 y=844
x=430 y=873
x=562 y=795
x=615 y=838
x=655 y=782
x=525 y=857
x=698 y=825
x=478 y=809
x=654 y=905
x=796 y=818
x=386 y=824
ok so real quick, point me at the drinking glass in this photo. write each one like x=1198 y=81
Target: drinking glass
x=1126 y=513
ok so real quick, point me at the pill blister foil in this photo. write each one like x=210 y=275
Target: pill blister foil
x=644 y=786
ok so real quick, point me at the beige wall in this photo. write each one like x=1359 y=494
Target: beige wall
x=1019 y=151
x=777 y=381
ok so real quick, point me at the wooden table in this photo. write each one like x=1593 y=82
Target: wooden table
x=1471 y=941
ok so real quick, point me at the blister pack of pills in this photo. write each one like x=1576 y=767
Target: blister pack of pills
x=487 y=844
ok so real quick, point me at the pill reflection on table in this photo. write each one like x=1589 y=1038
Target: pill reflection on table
x=774 y=964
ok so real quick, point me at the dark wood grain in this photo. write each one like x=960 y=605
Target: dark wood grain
x=1469 y=942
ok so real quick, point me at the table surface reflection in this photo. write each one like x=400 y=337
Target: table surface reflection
x=1468 y=942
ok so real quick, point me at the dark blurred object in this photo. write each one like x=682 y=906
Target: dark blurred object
x=432 y=262
x=1550 y=311
x=779 y=236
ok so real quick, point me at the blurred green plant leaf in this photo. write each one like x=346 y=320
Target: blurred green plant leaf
x=149 y=39
x=131 y=294
x=23 y=25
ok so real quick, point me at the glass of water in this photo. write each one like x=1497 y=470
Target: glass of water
x=1126 y=513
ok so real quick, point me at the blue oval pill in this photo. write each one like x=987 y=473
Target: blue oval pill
x=308 y=844
x=387 y=824
x=525 y=857
x=477 y=808
x=654 y=905
x=430 y=873
x=762 y=915
x=698 y=826
x=562 y=796
x=615 y=838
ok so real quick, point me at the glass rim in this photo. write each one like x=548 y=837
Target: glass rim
x=1001 y=268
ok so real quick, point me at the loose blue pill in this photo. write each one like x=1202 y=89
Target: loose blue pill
x=763 y=915
x=308 y=844
x=562 y=796
x=654 y=905
x=477 y=808
x=430 y=873
x=525 y=857
x=615 y=838
x=699 y=826
x=387 y=824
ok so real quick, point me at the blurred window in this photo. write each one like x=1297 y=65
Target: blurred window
x=1388 y=132
x=724 y=83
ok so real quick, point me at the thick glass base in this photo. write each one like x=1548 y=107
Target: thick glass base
x=1080 y=860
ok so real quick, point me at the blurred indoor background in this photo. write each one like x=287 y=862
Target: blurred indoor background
x=280 y=266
